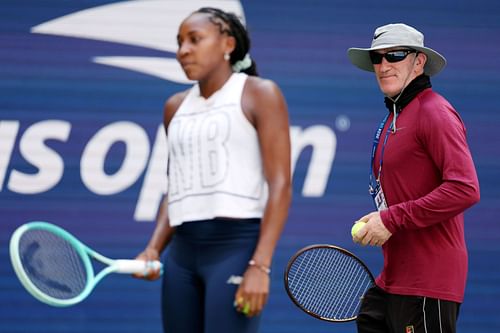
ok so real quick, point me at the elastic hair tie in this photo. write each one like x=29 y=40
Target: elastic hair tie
x=243 y=64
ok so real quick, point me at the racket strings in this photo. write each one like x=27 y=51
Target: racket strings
x=319 y=300
x=354 y=283
x=328 y=283
x=52 y=264
x=324 y=296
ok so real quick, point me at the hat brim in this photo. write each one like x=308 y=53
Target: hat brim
x=361 y=58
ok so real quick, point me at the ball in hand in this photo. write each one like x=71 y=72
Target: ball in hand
x=356 y=227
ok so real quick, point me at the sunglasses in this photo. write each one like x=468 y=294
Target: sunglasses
x=391 y=56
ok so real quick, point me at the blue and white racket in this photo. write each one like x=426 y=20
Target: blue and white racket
x=327 y=282
x=56 y=268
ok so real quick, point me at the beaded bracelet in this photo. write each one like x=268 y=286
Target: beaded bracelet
x=263 y=268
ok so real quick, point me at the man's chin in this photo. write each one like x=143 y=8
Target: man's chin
x=390 y=91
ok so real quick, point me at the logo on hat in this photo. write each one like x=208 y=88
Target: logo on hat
x=380 y=34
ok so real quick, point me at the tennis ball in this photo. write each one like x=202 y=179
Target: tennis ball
x=356 y=227
x=246 y=309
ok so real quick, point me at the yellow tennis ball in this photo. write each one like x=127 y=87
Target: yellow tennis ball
x=246 y=308
x=356 y=227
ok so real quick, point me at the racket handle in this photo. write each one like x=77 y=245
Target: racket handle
x=128 y=266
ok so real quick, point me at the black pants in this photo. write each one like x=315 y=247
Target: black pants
x=382 y=312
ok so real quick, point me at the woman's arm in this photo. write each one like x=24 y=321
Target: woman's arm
x=163 y=231
x=265 y=107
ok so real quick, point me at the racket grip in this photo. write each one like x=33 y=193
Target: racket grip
x=130 y=266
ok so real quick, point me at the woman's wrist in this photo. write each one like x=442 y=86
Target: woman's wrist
x=261 y=267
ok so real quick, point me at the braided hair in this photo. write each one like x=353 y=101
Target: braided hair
x=231 y=25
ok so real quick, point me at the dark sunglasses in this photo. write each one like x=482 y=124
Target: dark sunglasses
x=391 y=56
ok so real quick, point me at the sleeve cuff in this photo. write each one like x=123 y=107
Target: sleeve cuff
x=385 y=216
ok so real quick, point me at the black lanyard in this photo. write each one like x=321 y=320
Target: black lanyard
x=371 y=185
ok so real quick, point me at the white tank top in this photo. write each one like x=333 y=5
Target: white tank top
x=215 y=165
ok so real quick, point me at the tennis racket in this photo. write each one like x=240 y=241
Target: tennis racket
x=56 y=268
x=327 y=282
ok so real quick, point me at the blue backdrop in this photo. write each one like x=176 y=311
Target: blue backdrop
x=81 y=102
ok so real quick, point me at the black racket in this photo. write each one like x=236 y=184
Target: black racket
x=327 y=282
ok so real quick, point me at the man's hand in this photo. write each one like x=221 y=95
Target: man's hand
x=374 y=232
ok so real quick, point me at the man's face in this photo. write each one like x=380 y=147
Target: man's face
x=392 y=77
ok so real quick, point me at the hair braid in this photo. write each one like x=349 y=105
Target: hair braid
x=230 y=24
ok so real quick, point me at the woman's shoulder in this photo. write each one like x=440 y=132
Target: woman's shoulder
x=262 y=85
x=261 y=90
x=173 y=103
x=176 y=99
x=261 y=95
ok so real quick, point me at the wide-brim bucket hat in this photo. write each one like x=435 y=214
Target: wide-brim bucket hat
x=397 y=35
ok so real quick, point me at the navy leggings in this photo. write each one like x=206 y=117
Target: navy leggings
x=200 y=267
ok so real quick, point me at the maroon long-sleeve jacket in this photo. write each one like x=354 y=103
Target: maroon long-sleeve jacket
x=429 y=180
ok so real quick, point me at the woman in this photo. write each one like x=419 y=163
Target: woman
x=229 y=182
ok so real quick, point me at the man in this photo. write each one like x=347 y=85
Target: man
x=422 y=179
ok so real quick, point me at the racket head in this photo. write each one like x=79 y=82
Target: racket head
x=51 y=264
x=327 y=282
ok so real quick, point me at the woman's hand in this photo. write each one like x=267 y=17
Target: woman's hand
x=253 y=292
x=148 y=254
